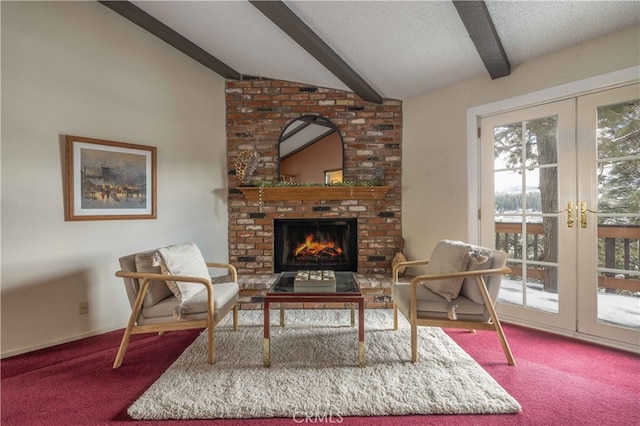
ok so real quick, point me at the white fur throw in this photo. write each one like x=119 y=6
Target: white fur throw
x=481 y=259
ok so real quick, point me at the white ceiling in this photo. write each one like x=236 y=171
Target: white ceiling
x=400 y=48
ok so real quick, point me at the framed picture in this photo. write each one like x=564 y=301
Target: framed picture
x=333 y=176
x=108 y=180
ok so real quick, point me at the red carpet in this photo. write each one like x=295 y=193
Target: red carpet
x=557 y=381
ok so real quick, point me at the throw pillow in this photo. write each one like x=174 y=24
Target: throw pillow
x=157 y=290
x=447 y=257
x=185 y=260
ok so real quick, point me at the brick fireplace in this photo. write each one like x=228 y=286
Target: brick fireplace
x=257 y=111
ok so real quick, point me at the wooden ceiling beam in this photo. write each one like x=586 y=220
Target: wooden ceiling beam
x=160 y=30
x=295 y=28
x=476 y=18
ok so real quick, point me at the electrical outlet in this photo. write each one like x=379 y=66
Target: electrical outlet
x=83 y=307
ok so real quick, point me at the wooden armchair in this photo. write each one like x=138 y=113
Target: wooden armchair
x=170 y=289
x=447 y=298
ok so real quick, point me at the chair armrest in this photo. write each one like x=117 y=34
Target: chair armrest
x=232 y=269
x=480 y=273
x=420 y=278
x=148 y=277
x=465 y=274
x=162 y=277
x=406 y=263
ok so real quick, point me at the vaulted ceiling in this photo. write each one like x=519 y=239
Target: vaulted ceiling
x=377 y=49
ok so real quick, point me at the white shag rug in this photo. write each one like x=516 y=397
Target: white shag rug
x=314 y=372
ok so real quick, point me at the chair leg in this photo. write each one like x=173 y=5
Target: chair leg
x=135 y=310
x=395 y=316
x=414 y=342
x=503 y=339
x=496 y=322
x=211 y=358
x=235 y=317
x=505 y=345
x=123 y=348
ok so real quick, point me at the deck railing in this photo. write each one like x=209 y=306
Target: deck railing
x=616 y=237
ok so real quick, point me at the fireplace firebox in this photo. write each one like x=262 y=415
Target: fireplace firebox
x=301 y=244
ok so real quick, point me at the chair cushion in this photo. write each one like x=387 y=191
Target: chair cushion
x=225 y=295
x=157 y=290
x=480 y=259
x=186 y=260
x=432 y=305
x=164 y=310
x=447 y=257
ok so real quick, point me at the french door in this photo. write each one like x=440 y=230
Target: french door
x=609 y=214
x=561 y=195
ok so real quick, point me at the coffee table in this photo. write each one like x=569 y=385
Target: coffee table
x=284 y=291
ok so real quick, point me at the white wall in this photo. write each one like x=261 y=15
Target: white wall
x=79 y=68
x=434 y=152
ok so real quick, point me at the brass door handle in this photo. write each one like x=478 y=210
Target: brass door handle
x=583 y=214
x=569 y=211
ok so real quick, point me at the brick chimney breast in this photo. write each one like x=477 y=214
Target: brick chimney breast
x=257 y=110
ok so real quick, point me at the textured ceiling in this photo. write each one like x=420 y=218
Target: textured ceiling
x=400 y=48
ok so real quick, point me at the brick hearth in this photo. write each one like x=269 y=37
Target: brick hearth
x=257 y=111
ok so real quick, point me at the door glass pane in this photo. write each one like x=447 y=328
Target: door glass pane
x=537 y=296
x=539 y=200
x=618 y=127
x=541 y=141
x=511 y=291
x=618 y=185
x=618 y=216
x=535 y=242
x=526 y=199
x=507 y=145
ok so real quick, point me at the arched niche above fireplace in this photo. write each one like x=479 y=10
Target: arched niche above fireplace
x=310 y=150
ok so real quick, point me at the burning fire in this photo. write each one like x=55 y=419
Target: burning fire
x=315 y=248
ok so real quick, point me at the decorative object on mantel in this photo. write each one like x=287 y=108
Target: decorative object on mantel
x=311 y=379
x=246 y=163
x=400 y=257
x=281 y=191
x=346 y=183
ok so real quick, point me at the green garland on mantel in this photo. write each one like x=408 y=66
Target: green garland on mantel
x=275 y=184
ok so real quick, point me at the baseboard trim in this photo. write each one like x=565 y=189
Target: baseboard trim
x=68 y=339
x=506 y=320
x=614 y=344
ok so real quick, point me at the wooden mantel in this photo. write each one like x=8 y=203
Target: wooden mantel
x=316 y=193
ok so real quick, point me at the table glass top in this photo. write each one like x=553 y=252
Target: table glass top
x=345 y=282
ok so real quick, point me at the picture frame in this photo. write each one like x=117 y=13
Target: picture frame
x=107 y=180
x=333 y=176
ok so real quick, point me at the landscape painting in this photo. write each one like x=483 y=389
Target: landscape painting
x=109 y=180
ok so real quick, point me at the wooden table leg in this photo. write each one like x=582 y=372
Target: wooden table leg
x=266 y=349
x=281 y=314
x=353 y=315
x=361 y=362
